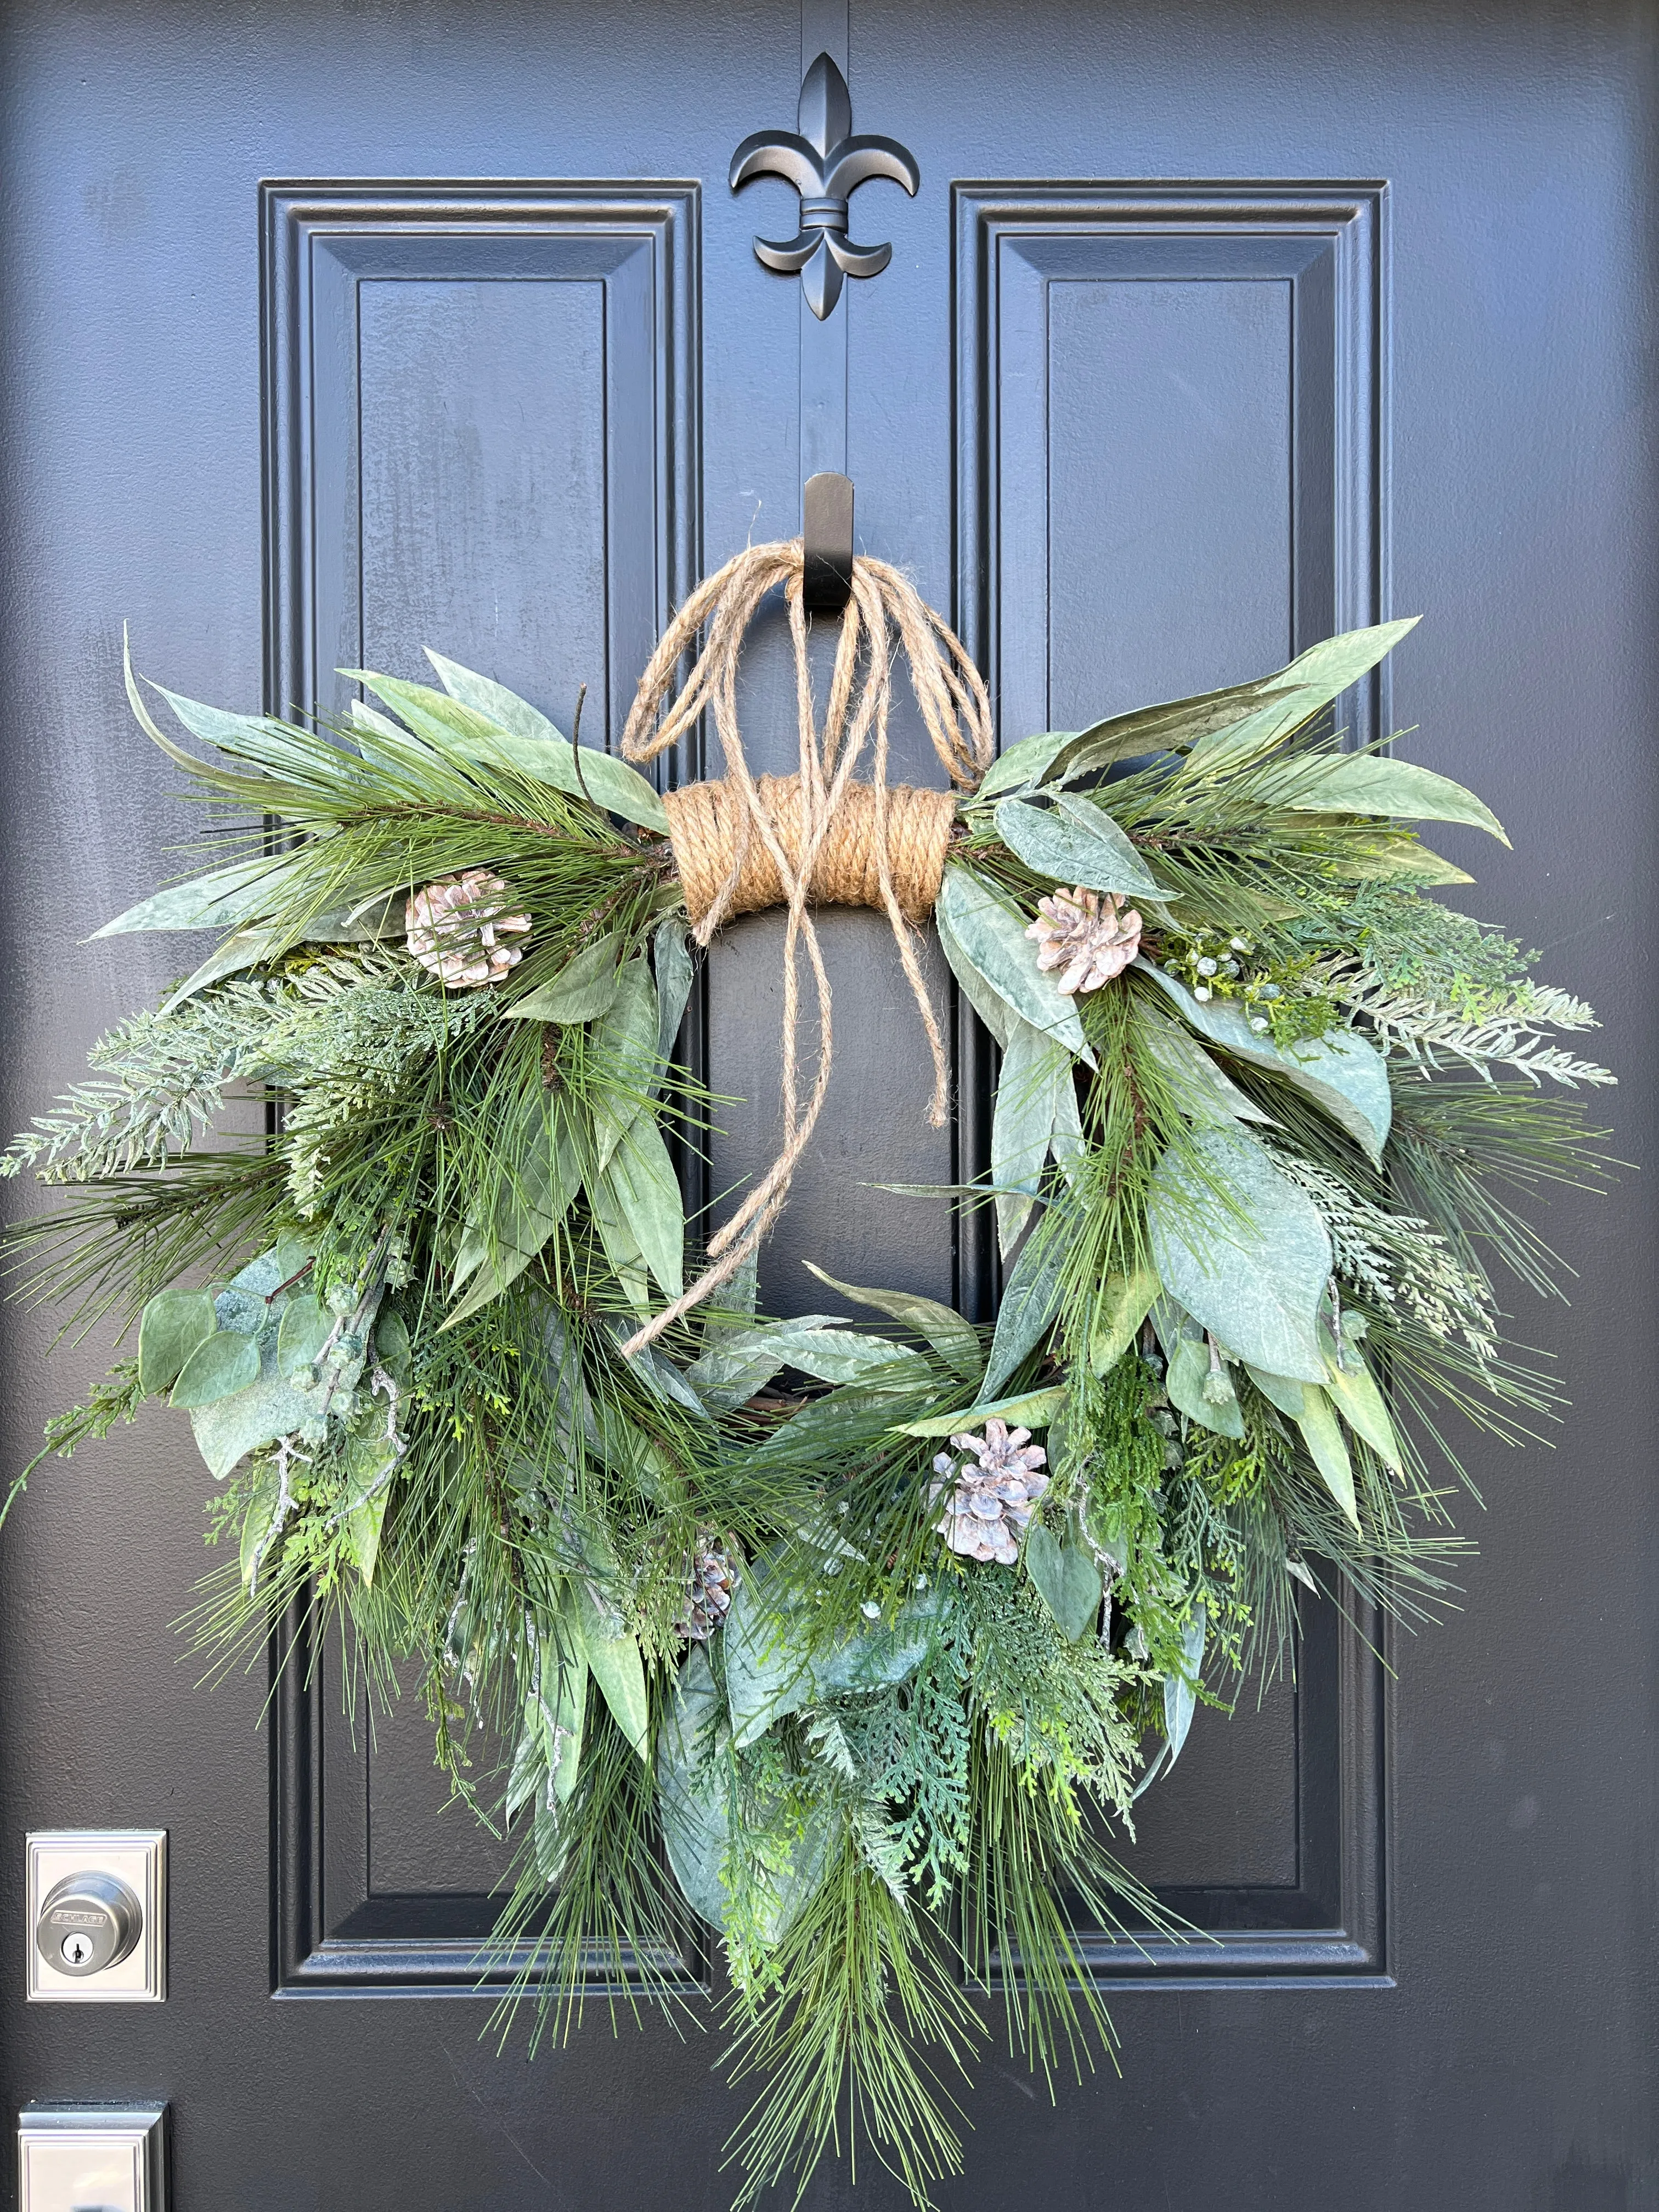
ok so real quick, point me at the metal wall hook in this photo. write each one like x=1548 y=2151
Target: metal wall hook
x=826 y=512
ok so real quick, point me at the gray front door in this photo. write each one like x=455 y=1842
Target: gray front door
x=335 y=328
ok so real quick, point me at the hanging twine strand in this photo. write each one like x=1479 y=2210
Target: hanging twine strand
x=742 y=842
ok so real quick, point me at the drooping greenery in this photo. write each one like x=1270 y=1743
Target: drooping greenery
x=791 y=1627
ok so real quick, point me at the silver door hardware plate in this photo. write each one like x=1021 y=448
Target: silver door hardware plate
x=97 y=1925
x=92 y=2158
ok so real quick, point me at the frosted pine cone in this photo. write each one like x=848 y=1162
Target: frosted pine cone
x=990 y=1503
x=455 y=929
x=1087 y=934
x=708 y=1591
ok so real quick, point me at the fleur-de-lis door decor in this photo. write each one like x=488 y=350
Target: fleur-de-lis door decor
x=826 y=164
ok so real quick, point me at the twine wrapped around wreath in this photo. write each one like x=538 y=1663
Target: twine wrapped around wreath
x=742 y=843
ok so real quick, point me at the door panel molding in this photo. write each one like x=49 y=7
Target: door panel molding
x=322 y=242
x=1320 y=327
x=619 y=264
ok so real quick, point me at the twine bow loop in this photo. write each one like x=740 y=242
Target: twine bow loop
x=743 y=842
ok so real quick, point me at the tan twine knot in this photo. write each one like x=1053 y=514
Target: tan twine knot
x=743 y=842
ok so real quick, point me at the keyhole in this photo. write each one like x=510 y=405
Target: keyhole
x=76 y=1949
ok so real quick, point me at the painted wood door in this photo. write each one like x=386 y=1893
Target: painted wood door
x=335 y=328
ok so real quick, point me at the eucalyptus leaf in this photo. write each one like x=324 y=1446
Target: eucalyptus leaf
x=1030 y=1301
x=1125 y=1304
x=1352 y=1388
x=305 y=1328
x=1204 y=1394
x=954 y=1338
x=625 y=1046
x=171 y=1327
x=1242 y=1249
x=877 y=1653
x=692 y=1765
x=1067 y=1581
x=1323 y=1434
x=1075 y=841
x=1340 y=1071
x=738 y=1362
x=219 y=900
x=1204 y=1091
x=221 y=1365
x=527 y=741
x=1032 y=1409
x=583 y=989
x=992 y=937
x=1279 y=1390
x=671 y=962
x=1371 y=783
x=998 y=1016
x=268 y=1408
x=1022 y=1124
x=1025 y=765
x=1180 y=1691
x=392 y=1348
x=768 y=1671
x=641 y=1178
x=615 y=1660
x=837 y=1355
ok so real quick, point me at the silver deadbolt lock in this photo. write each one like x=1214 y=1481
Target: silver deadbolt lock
x=87 y=1922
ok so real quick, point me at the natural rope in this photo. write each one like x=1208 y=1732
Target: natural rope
x=821 y=836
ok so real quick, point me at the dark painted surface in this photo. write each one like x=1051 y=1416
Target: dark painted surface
x=1141 y=438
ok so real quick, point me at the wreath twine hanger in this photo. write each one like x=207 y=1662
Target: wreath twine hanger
x=743 y=844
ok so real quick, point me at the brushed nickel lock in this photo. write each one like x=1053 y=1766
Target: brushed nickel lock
x=97 y=1917
x=87 y=1922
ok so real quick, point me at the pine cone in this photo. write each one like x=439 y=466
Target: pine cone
x=708 y=1590
x=990 y=1502
x=454 y=928
x=1086 y=933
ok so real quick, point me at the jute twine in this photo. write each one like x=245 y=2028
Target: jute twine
x=743 y=842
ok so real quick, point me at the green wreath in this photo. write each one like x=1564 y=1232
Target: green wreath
x=792 y=1625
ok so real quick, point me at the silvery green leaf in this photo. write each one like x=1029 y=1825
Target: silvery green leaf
x=172 y=1324
x=1371 y=783
x=668 y=1382
x=614 y=1660
x=220 y=1364
x=1323 y=1434
x=1241 y=741
x=641 y=1178
x=1030 y=1301
x=991 y=937
x=621 y=1248
x=1067 y=1580
x=1204 y=1091
x=625 y=1043
x=998 y=1016
x=1023 y=765
x=530 y=742
x=954 y=1338
x=1279 y=1390
x=392 y=1348
x=1250 y=1264
x=1179 y=1690
x=1035 y=1409
x=1352 y=1386
x=837 y=1355
x=245 y=949
x=258 y=1525
x=583 y=989
x=1312 y=680
x=671 y=960
x=1189 y=1381
x=738 y=1362
x=541 y=1174
x=1066 y=1142
x=877 y=1653
x=1125 y=1304
x=1340 y=1071
x=216 y=900
x=304 y=1330
x=226 y=1431
x=568 y=1712
x=768 y=1673
x=1034 y=1068
x=1075 y=841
